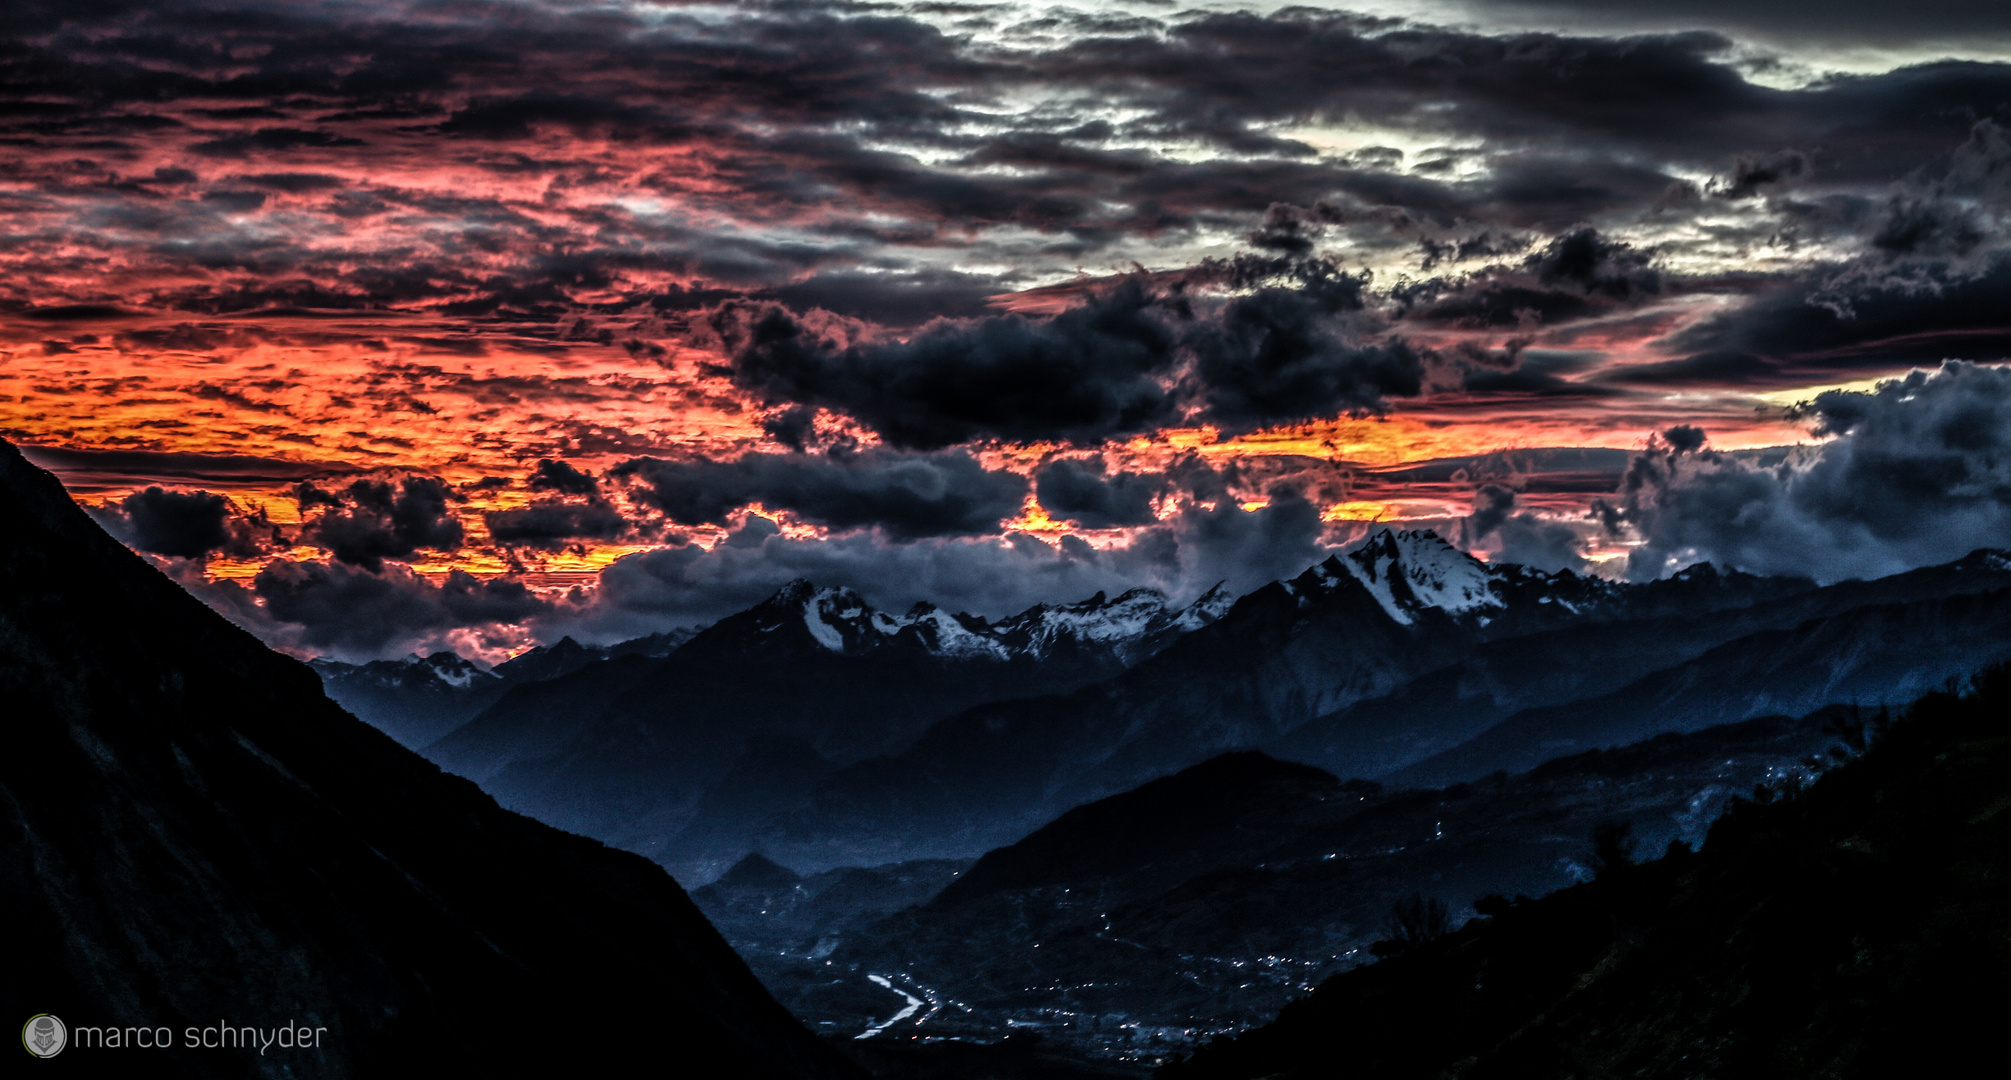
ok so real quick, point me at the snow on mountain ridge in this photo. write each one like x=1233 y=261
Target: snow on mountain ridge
x=1444 y=577
x=1206 y=608
x=441 y=670
x=1094 y=619
x=813 y=617
x=841 y=620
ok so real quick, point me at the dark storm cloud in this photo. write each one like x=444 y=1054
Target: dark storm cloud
x=1914 y=473
x=906 y=300
x=1527 y=538
x=1751 y=175
x=187 y=525
x=1299 y=346
x=551 y=475
x=370 y=521
x=1718 y=367
x=554 y=523
x=904 y=495
x=1278 y=356
x=1821 y=324
x=1872 y=22
x=1085 y=375
x=1083 y=493
x=1540 y=373
x=1578 y=275
x=1925 y=284
x=328 y=607
x=794 y=427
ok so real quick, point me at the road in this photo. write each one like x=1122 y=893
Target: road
x=914 y=1004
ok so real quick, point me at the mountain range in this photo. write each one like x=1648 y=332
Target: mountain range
x=825 y=733
x=418 y=699
x=1410 y=660
x=1124 y=824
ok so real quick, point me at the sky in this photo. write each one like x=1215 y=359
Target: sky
x=405 y=326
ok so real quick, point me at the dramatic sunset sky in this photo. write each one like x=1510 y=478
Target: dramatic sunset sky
x=388 y=326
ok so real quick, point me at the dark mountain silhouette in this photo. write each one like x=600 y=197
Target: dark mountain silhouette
x=773 y=771
x=1217 y=811
x=194 y=833
x=759 y=872
x=1854 y=929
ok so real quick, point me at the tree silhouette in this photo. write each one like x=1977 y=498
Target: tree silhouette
x=1413 y=920
x=1612 y=846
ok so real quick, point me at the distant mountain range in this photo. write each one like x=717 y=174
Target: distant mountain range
x=194 y=835
x=825 y=733
x=420 y=698
x=1408 y=659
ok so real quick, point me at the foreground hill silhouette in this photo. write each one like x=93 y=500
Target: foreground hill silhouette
x=1859 y=928
x=192 y=834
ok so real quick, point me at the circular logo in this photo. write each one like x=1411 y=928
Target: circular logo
x=44 y=1036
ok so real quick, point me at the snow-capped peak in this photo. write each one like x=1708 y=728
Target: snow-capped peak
x=1206 y=608
x=1410 y=570
x=841 y=621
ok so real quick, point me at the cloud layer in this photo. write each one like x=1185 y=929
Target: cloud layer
x=409 y=324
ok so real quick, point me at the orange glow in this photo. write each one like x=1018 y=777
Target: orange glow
x=1033 y=518
x=382 y=390
x=1358 y=511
